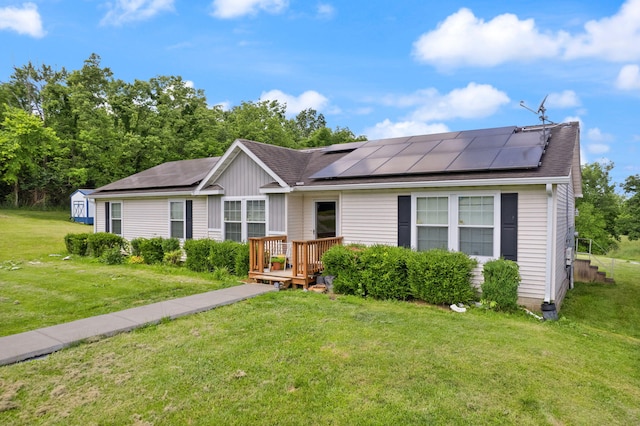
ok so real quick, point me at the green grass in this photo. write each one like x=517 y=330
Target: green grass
x=293 y=358
x=38 y=290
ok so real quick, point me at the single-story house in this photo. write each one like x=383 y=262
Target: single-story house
x=82 y=207
x=500 y=192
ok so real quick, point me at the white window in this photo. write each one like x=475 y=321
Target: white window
x=177 y=219
x=244 y=218
x=460 y=222
x=115 y=215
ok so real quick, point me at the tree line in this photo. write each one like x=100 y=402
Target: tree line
x=605 y=215
x=63 y=130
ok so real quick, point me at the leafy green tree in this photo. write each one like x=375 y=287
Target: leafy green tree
x=591 y=225
x=629 y=220
x=25 y=145
x=599 y=191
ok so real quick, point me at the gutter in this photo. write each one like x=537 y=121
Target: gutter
x=437 y=184
x=549 y=269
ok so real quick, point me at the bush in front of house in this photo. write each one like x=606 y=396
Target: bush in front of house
x=99 y=242
x=112 y=256
x=384 y=272
x=173 y=257
x=500 y=286
x=198 y=253
x=223 y=255
x=343 y=263
x=441 y=277
x=241 y=266
x=77 y=243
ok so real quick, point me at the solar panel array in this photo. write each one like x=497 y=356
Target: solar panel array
x=499 y=148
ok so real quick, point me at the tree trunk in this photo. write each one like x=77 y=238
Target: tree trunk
x=16 y=191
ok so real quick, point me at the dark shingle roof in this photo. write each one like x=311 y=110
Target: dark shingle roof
x=167 y=176
x=287 y=163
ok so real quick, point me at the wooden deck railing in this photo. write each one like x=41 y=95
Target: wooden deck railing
x=261 y=249
x=306 y=256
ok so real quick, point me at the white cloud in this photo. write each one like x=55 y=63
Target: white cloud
x=227 y=9
x=25 y=20
x=598 y=148
x=564 y=99
x=125 y=11
x=473 y=101
x=464 y=39
x=295 y=104
x=629 y=78
x=389 y=129
x=325 y=11
x=616 y=38
x=596 y=135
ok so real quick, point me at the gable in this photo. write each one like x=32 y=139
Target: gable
x=243 y=177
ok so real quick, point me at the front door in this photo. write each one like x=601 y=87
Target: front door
x=325 y=219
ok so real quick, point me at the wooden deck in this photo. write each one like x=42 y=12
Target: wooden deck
x=303 y=259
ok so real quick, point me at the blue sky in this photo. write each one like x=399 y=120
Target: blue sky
x=380 y=68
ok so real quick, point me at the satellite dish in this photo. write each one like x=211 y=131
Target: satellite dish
x=541 y=108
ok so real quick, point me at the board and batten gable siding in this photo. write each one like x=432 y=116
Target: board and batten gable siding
x=243 y=177
x=532 y=241
x=370 y=217
x=295 y=217
x=277 y=214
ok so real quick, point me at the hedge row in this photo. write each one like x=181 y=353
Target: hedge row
x=385 y=272
x=208 y=255
x=202 y=255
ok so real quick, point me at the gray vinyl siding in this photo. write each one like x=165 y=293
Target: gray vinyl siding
x=532 y=241
x=200 y=228
x=214 y=207
x=370 y=217
x=295 y=217
x=565 y=218
x=145 y=218
x=243 y=177
x=277 y=214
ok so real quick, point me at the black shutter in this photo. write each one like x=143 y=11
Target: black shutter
x=404 y=221
x=106 y=217
x=189 y=224
x=509 y=226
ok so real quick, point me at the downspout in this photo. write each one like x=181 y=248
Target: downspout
x=549 y=270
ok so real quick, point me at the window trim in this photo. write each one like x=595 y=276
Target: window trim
x=453 y=216
x=184 y=217
x=243 y=215
x=121 y=218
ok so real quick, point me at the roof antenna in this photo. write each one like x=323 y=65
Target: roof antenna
x=540 y=112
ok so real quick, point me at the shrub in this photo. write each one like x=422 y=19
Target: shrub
x=241 y=266
x=441 y=277
x=198 y=253
x=384 y=272
x=343 y=262
x=77 y=243
x=151 y=250
x=223 y=255
x=170 y=244
x=135 y=246
x=500 y=287
x=112 y=256
x=173 y=258
x=99 y=242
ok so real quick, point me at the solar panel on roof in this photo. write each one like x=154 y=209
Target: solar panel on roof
x=474 y=159
x=485 y=149
x=518 y=157
x=364 y=167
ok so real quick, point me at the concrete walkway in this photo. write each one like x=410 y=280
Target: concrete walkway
x=31 y=344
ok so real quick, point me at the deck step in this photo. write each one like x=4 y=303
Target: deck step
x=286 y=282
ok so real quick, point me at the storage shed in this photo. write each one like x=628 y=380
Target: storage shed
x=82 y=208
